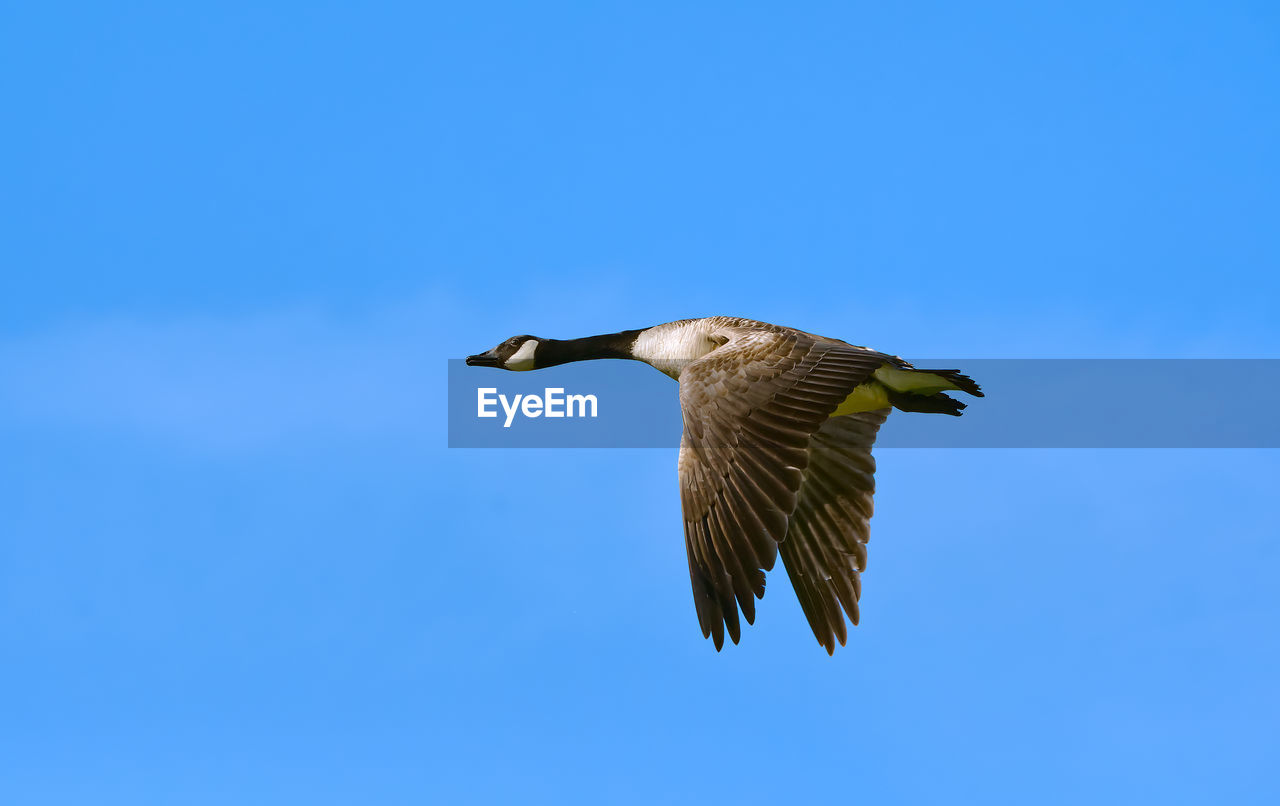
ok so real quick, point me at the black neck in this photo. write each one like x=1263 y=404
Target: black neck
x=552 y=352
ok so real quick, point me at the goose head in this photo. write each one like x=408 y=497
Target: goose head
x=517 y=354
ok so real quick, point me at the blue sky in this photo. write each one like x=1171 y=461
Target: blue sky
x=237 y=563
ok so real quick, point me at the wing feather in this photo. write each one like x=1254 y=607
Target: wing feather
x=825 y=548
x=751 y=410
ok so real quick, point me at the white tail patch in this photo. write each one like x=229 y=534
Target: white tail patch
x=917 y=383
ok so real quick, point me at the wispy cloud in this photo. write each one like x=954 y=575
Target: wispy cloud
x=232 y=383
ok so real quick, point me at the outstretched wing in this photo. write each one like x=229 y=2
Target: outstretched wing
x=826 y=549
x=750 y=410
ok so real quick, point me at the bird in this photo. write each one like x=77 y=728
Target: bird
x=775 y=457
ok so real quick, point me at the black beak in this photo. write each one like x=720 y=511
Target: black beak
x=483 y=360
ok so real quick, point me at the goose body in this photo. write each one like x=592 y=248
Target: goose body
x=775 y=456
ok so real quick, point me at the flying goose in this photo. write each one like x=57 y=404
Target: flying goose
x=776 y=453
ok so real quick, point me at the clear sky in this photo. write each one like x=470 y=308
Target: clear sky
x=238 y=564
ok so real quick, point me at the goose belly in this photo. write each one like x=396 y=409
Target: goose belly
x=868 y=397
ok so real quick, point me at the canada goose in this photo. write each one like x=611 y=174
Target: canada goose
x=776 y=452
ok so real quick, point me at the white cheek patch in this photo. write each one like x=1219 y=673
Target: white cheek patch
x=522 y=359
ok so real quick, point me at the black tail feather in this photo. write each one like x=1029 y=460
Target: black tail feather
x=937 y=403
x=963 y=382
